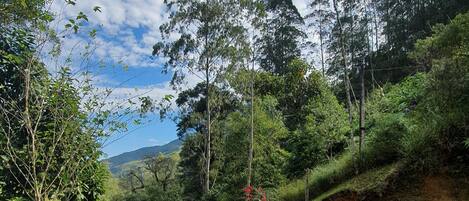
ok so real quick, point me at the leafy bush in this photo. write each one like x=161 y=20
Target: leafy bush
x=152 y=193
x=323 y=134
x=268 y=159
x=384 y=139
x=442 y=120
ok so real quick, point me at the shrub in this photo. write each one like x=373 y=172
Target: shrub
x=383 y=142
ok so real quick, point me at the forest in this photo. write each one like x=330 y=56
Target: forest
x=340 y=100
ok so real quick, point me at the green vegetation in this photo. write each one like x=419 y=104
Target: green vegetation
x=373 y=180
x=135 y=158
x=406 y=124
x=386 y=117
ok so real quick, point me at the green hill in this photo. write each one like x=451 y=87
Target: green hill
x=133 y=158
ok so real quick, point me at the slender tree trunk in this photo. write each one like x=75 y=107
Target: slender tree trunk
x=376 y=26
x=322 y=57
x=251 y=134
x=38 y=196
x=362 y=111
x=346 y=78
x=362 y=85
x=208 y=140
x=321 y=43
x=29 y=129
x=132 y=183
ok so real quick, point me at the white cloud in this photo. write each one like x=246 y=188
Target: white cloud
x=301 y=5
x=128 y=28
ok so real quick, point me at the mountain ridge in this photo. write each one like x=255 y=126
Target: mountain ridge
x=117 y=161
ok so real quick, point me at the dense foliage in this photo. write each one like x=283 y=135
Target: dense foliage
x=415 y=121
x=270 y=158
x=51 y=122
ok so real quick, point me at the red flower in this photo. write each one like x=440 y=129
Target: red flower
x=248 y=192
x=252 y=193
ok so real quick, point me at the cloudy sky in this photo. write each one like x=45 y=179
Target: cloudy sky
x=127 y=30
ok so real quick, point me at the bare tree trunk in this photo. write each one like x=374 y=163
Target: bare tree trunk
x=321 y=43
x=208 y=140
x=362 y=85
x=251 y=135
x=346 y=78
x=362 y=111
x=322 y=57
x=29 y=129
x=376 y=26
x=37 y=196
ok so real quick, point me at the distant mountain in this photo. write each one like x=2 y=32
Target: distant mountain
x=116 y=162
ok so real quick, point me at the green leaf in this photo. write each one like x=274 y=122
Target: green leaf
x=168 y=97
x=4 y=158
x=70 y=2
x=97 y=9
x=93 y=33
x=81 y=15
x=23 y=3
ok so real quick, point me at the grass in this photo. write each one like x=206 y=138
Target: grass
x=321 y=178
x=371 y=181
x=326 y=176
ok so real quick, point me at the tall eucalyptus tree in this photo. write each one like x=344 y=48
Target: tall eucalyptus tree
x=208 y=43
x=280 y=36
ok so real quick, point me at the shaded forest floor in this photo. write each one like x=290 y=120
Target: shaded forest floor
x=388 y=184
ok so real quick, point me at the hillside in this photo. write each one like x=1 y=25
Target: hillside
x=386 y=184
x=117 y=162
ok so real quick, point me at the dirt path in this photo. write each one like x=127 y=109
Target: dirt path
x=438 y=188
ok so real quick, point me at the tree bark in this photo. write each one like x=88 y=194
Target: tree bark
x=251 y=134
x=376 y=26
x=362 y=111
x=321 y=42
x=208 y=140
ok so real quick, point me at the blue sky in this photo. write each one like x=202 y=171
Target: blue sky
x=151 y=134
x=127 y=30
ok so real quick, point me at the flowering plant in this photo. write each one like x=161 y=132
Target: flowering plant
x=254 y=194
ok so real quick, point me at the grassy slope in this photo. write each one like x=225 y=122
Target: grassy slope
x=372 y=181
x=388 y=184
x=321 y=179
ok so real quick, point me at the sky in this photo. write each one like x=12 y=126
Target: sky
x=127 y=31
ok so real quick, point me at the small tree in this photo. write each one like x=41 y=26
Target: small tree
x=162 y=168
